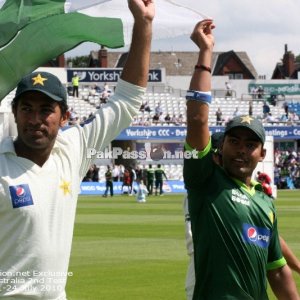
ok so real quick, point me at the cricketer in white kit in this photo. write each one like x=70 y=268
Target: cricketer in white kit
x=42 y=168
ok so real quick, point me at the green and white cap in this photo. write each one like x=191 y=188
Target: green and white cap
x=45 y=83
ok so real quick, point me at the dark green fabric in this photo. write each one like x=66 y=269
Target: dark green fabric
x=47 y=38
x=226 y=265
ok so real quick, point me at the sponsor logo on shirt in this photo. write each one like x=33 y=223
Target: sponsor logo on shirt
x=20 y=195
x=239 y=197
x=256 y=235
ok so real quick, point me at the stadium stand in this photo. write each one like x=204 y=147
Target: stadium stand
x=88 y=102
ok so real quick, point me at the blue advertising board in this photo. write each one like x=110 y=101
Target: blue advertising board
x=92 y=75
x=98 y=188
x=179 y=132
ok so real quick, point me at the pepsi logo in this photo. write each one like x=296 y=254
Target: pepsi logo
x=20 y=192
x=252 y=233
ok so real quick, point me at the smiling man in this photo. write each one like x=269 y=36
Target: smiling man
x=41 y=170
x=234 y=224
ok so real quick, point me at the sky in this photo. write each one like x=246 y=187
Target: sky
x=259 y=27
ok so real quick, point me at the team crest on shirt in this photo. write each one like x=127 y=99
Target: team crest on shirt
x=65 y=186
x=239 y=197
x=20 y=195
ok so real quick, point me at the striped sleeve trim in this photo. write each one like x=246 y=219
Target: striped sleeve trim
x=202 y=153
x=276 y=264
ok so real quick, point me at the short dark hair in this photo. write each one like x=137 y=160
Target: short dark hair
x=63 y=105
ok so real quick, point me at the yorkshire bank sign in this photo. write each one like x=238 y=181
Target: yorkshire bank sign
x=90 y=75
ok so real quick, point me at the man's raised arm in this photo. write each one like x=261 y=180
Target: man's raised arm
x=136 y=68
x=199 y=94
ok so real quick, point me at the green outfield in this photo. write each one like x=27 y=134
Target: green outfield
x=123 y=250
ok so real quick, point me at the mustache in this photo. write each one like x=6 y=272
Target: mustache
x=36 y=128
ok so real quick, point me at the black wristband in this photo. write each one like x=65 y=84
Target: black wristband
x=202 y=67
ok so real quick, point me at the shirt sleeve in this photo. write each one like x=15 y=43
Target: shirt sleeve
x=109 y=121
x=275 y=257
x=197 y=168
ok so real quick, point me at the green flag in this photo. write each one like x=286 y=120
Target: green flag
x=30 y=37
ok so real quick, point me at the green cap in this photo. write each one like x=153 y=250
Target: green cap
x=43 y=82
x=249 y=122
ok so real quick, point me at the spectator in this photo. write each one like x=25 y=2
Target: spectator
x=142 y=108
x=228 y=89
x=89 y=175
x=266 y=109
x=147 y=107
x=236 y=112
x=133 y=179
x=121 y=172
x=161 y=118
x=75 y=84
x=219 y=119
x=265 y=180
x=159 y=173
x=155 y=118
x=158 y=109
x=250 y=110
x=150 y=179
x=174 y=120
x=116 y=173
x=168 y=118
x=126 y=181
x=260 y=92
x=270 y=119
x=109 y=182
x=139 y=174
x=95 y=177
x=142 y=192
x=180 y=119
x=253 y=92
x=286 y=108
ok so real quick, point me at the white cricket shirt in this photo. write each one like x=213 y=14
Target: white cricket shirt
x=38 y=204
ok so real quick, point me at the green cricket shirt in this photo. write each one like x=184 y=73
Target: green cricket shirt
x=234 y=233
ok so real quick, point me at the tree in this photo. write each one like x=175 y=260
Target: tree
x=78 y=61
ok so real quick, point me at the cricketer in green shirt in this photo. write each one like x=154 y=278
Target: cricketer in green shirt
x=234 y=232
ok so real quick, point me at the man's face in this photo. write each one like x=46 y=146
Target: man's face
x=38 y=120
x=241 y=151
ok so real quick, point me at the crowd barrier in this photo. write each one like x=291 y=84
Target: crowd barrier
x=98 y=188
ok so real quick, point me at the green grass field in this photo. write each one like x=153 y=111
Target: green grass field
x=123 y=250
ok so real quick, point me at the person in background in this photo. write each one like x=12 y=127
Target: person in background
x=159 y=173
x=142 y=192
x=109 y=182
x=126 y=181
x=75 y=85
x=150 y=179
x=95 y=177
x=116 y=173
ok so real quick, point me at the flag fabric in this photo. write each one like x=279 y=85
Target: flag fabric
x=33 y=32
x=172 y=17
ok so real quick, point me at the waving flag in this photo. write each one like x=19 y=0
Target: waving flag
x=172 y=17
x=33 y=32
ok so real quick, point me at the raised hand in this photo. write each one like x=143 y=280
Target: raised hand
x=202 y=35
x=142 y=9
